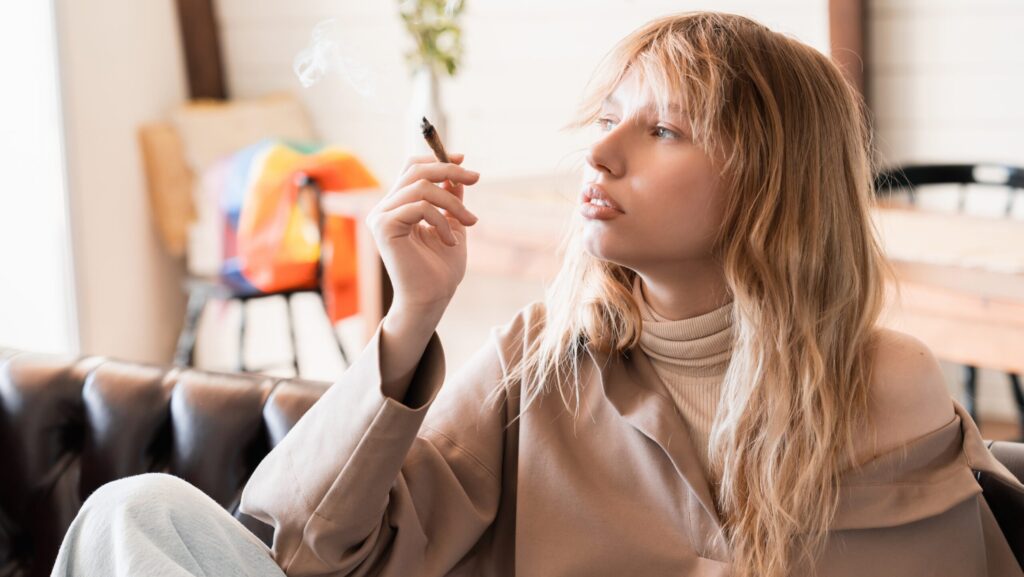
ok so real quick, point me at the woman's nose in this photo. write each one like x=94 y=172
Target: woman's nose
x=603 y=158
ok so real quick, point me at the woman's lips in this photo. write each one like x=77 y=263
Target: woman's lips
x=595 y=212
x=592 y=191
x=600 y=211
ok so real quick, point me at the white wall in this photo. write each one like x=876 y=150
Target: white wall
x=121 y=65
x=947 y=79
x=526 y=65
x=36 y=290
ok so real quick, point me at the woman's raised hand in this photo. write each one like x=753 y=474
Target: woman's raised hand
x=420 y=231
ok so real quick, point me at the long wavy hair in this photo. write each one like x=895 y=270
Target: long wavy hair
x=801 y=257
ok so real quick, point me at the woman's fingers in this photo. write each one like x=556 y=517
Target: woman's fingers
x=409 y=215
x=435 y=195
x=457 y=158
x=417 y=197
x=455 y=189
x=438 y=172
x=449 y=174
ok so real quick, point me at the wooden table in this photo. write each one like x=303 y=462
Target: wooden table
x=961 y=277
x=962 y=284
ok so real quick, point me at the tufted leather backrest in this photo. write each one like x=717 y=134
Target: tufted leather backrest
x=70 y=424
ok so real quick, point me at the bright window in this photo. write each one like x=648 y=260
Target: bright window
x=37 y=298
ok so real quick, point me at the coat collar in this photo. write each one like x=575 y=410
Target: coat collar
x=976 y=450
x=632 y=386
x=636 y=392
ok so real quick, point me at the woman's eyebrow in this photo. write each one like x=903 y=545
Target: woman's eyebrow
x=673 y=107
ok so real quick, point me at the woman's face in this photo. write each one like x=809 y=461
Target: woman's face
x=664 y=185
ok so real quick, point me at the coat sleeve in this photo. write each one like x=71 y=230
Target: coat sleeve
x=365 y=485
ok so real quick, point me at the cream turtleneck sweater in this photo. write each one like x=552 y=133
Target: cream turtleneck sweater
x=690 y=355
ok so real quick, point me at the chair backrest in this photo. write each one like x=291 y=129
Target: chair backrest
x=911 y=177
x=69 y=425
x=1004 y=499
x=1010 y=454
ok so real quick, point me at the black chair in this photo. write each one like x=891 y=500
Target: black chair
x=910 y=178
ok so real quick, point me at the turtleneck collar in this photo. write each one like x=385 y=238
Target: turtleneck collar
x=697 y=346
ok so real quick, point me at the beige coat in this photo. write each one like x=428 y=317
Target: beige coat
x=364 y=485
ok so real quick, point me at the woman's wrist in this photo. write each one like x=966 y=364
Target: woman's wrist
x=404 y=337
x=415 y=319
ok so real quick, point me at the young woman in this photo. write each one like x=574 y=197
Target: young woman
x=727 y=402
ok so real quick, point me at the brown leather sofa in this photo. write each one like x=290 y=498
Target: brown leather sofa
x=69 y=425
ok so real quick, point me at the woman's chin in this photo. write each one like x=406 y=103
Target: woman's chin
x=601 y=247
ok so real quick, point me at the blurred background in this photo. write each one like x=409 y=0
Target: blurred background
x=186 y=179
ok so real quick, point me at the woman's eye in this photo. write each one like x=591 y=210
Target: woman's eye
x=662 y=132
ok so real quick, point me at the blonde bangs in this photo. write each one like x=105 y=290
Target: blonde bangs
x=674 y=68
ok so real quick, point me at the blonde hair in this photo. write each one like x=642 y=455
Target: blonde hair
x=801 y=258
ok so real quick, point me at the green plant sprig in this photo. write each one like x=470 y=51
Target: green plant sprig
x=434 y=26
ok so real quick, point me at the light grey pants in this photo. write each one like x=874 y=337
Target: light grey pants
x=159 y=525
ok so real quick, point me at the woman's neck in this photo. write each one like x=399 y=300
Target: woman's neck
x=687 y=291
